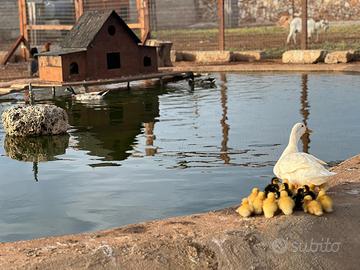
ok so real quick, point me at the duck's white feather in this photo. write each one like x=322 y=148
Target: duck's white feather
x=298 y=167
x=302 y=169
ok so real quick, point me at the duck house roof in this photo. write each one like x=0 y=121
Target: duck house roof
x=89 y=24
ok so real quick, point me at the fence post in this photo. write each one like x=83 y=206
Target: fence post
x=221 y=19
x=79 y=8
x=23 y=24
x=304 y=30
x=144 y=19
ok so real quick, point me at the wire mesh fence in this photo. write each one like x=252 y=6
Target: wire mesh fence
x=62 y=12
x=194 y=24
x=9 y=23
x=254 y=24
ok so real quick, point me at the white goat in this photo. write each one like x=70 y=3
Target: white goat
x=312 y=28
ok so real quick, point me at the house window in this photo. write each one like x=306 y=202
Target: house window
x=147 y=61
x=74 y=68
x=113 y=60
x=111 y=30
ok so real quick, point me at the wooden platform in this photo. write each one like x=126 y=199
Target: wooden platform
x=164 y=77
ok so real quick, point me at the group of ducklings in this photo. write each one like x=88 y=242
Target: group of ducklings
x=286 y=198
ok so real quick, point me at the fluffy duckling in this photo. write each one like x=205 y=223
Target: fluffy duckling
x=253 y=195
x=286 y=204
x=245 y=209
x=325 y=201
x=258 y=203
x=270 y=206
x=308 y=191
x=285 y=186
x=298 y=199
x=312 y=206
x=273 y=187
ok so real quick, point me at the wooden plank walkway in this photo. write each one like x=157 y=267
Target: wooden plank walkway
x=164 y=77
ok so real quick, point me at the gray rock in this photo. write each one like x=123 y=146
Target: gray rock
x=35 y=120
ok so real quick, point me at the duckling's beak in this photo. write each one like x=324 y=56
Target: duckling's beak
x=308 y=131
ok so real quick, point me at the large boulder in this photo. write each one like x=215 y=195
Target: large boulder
x=303 y=56
x=35 y=120
x=339 y=57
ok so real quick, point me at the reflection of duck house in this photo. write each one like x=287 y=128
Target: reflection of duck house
x=99 y=46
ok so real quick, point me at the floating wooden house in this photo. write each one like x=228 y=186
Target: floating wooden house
x=99 y=46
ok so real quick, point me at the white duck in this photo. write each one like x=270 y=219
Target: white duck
x=87 y=96
x=300 y=168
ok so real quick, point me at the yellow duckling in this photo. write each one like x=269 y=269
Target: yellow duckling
x=270 y=206
x=258 y=203
x=286 y=204
x=312 y=206
x=325 y=201
x=253 y=195
x=245 y=209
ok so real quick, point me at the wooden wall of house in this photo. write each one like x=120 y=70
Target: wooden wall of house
x=71 y=59
x=105 y=43
x=146 y=51
x=50 y=68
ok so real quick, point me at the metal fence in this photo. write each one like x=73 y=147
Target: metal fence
x=194 y=24
x=253 y=24
x=64 y=13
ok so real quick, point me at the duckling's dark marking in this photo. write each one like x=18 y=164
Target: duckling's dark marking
x=309 y=192
x=299 y=199
x=286 y=188
x=273 y=187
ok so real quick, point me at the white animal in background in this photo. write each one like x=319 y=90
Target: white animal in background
x=312 y=28
x=300 y=168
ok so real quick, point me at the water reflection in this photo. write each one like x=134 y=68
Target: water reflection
x=36 y=149
x=150 y=150
x=108 y=130
x=304 y=110
x=224 y=125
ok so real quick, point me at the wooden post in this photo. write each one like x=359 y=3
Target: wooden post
x=53 y=91
x=23 y=25
x=144 y=19
x=79 y=8
x=221 y=19
x=31 y=94
x=304 y=18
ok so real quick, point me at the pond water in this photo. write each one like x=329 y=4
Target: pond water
x=152 y=153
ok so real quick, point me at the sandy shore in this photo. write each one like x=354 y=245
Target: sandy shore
x=214 y=240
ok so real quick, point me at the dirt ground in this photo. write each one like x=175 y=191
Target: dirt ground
x=214 y=240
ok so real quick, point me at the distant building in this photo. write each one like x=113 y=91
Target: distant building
x=99 y=46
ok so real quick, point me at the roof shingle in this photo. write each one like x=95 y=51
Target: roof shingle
x=86 y=28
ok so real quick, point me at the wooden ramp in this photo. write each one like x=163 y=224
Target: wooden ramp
x=162 y=76
x=31 y=84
